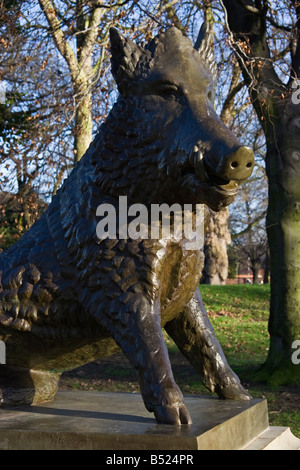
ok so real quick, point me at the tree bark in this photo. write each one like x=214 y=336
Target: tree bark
x=83 y=124
x=217 y=237
x=280 y=119
x=255 y=272
x=79 y=64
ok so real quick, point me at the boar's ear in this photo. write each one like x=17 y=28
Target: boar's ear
x=204 y=46
x=125 y=55
x=203 y=38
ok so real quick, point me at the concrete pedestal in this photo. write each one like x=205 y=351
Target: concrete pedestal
x=119 y=421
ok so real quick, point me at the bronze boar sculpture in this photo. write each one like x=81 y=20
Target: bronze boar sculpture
x=68 y=297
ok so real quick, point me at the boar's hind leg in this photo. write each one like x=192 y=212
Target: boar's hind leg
x=140 y=337
x=26 y=386
x=194 y=335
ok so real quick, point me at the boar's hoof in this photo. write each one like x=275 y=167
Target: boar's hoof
x=172 y=414
x=233 y=391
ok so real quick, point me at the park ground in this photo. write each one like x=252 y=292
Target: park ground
x=239 y=315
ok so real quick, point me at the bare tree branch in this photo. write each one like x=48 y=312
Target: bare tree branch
x=59 y=37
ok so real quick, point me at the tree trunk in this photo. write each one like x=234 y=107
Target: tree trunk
x=79 y=63
x=217 y=238
x=280 y=118
x=83 y=126
x=255 y=272
x=283 y=227
x=267 y=267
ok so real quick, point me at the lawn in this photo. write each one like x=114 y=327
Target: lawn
x=239 y=315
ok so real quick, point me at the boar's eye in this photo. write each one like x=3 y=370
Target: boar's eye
x=169 y=91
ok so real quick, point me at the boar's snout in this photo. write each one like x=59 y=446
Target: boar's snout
x=236 y=166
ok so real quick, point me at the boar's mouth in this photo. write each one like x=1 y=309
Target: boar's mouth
x=197 y=168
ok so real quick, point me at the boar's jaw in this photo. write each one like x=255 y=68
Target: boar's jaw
x=229 y=188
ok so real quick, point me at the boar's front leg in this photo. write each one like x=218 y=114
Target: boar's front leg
x=138 y=332
x=194 y=335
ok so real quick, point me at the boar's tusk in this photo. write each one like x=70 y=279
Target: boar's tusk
x=199 y=166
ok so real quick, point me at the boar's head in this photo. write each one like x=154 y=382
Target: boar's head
x=169 y=144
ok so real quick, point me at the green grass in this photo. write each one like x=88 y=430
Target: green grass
x=239 y=315
x=241 y=300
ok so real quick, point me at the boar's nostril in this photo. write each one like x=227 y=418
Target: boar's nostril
x=238 y=165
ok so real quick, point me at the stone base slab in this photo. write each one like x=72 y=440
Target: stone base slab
x=119 y=421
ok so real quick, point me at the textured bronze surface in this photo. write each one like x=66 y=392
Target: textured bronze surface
x=67 y=297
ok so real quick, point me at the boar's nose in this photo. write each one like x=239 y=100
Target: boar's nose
x=238 y=165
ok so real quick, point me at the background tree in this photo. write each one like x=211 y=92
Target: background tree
x=18 y=210
x=79 y=23
x=267 y=43
x=217 y=235
x=251 y=245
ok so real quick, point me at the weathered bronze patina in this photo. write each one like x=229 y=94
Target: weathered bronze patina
x=67 y=298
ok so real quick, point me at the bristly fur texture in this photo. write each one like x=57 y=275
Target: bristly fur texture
x=67 y=297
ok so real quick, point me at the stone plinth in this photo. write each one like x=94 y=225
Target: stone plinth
x=119 y=421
